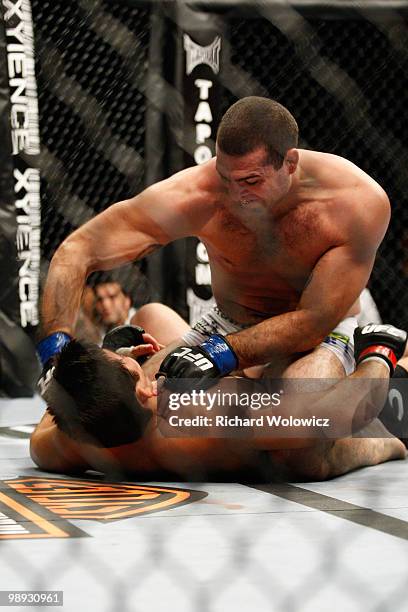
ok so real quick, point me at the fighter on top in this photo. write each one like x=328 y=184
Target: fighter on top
x=291 y=236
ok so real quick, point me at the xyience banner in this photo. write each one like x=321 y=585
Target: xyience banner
x=19 y=200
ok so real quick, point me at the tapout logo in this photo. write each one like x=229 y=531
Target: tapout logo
x=198 y=55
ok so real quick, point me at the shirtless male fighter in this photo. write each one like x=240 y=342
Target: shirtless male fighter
x=291 y=237
x=99 y=417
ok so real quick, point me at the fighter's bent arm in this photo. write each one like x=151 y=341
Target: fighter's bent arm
x=125 y=231
x=336 y=282
x=53 y=451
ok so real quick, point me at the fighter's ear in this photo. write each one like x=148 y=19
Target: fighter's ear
x=292 y=160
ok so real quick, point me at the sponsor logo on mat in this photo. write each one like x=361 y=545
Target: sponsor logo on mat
x=42 y=507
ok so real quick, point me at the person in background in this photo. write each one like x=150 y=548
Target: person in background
x=107 y=304
x=112 y=305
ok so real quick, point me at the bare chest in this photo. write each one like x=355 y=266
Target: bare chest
x=252 y=245
x=259 y=266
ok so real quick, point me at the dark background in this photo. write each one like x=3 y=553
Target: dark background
x=342 y=75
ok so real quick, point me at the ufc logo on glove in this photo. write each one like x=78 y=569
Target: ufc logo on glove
x=197 y=358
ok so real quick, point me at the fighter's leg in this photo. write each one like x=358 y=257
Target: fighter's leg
x=374 y=444
x=330 y=459
x=161 y=322
x=333 y=458
x=320 y=363
x=332 y=359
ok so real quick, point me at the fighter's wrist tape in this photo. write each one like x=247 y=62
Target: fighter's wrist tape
x=221 y=354
x=383 y=352
x=52 y=345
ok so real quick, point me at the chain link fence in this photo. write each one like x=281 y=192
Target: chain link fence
x=343 y=76
x=91 y=65
x=342 y=73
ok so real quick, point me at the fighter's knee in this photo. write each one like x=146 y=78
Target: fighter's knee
x=312 y=464
x=146 y=312
x=317 y=471
x=160 y=321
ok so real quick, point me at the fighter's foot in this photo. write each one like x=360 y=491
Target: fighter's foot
x=384 y=446
x=392 y=448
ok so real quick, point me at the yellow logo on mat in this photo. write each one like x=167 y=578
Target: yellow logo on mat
x=90 y=499
x=20 y=518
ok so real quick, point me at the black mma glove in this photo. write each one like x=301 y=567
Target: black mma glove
x=211 y=359
x=47 y=350
x=380 y=342
x=124 y=337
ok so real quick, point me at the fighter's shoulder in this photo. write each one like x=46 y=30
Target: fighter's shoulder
x=358 y=193
x=193 y=187
x=362 y=203
x=352 y=199
x=352 y=191
x=343 y=176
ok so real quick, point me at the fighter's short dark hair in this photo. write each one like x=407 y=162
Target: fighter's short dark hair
x=255 y=122
x=92 y=398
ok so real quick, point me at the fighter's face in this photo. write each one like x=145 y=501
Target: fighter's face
x=250 y=180
x=111 y=304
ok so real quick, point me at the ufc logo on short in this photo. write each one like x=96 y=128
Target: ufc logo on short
x=197 y=358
